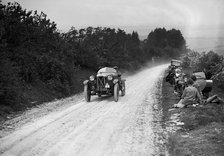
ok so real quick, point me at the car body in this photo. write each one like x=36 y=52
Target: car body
x=175 y=64
x=205 y=84
x=175 y=68
x=107 y=81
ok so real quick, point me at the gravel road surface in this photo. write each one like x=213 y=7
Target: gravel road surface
x=100 y=127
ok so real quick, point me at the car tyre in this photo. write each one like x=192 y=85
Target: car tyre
x=123 y=89
x=87 y=93
x=116 y=92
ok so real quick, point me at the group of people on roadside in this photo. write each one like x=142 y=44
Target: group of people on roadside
x=192 y=93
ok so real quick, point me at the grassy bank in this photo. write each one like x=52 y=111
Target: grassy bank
x=194 y=130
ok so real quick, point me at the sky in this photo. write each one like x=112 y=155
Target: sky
x=195 y=18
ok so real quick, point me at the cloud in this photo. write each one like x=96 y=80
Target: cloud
x=190 y=15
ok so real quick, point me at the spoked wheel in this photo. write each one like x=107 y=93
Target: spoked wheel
x=123 y=89
x=116 y=92
x=87 y=93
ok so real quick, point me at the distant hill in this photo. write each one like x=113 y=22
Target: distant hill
x=199 y=44
x=202 y=44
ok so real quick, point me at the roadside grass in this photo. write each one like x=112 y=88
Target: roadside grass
x=202 y=116
x=207 y=140
x=202 y=131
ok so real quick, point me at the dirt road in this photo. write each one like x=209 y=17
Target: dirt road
x=100 y=127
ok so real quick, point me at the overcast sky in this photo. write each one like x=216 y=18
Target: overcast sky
x=195 y=18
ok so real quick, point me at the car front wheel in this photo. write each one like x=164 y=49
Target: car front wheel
x=116 y=92
x=87 y=93
x=123 y=89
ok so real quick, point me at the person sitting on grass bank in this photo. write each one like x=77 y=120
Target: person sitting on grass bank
x=190 y=95
x=196 y=84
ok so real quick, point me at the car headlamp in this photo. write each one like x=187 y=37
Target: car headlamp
x=109 y=77
x=91 y=78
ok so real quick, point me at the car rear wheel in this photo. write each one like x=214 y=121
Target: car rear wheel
x=116 y=92
x=87 y=93
x=123 y=89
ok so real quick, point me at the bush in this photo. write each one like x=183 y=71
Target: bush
x=219 y=80
x=210 y=62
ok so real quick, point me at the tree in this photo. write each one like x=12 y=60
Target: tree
x=163 y=43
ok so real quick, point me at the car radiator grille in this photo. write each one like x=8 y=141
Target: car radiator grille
x=101 y=81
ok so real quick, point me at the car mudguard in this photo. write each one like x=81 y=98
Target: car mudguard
x=85 y=82
x=115 y=81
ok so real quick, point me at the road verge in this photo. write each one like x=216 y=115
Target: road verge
x=194 y=130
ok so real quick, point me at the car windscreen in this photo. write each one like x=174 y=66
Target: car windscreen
x=176 y=63
x=107 y=71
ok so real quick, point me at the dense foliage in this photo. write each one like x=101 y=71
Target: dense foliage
x=94 y=47
x=34 y=52
x=211 y=63
x=163 y=43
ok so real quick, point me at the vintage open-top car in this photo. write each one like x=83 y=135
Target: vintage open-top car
x=107 y=81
